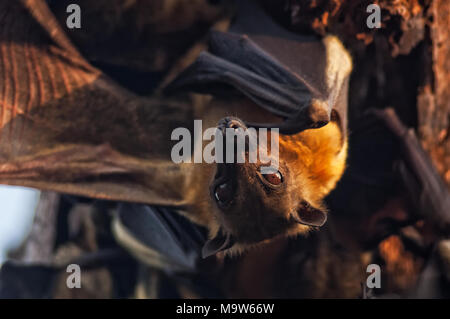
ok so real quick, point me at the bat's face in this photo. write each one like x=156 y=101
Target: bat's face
x=253 y=205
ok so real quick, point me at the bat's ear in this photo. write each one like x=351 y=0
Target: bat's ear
x=309 y=215
x=220 y=242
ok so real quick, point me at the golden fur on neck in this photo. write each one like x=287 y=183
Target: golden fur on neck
x=318 y=156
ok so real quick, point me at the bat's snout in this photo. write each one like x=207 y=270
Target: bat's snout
x=223 y=188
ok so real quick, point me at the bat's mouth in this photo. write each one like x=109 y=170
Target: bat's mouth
x=222 y=189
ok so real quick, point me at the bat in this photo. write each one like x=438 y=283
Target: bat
x=302 y=83
x=418 y=175
x=67 y=127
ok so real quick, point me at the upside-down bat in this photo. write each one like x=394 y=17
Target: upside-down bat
x=67 y=127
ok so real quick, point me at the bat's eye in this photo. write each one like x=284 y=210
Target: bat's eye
x=223 y=193
x=274 y=178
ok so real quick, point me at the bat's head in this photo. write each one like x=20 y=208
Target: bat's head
x=255 y=202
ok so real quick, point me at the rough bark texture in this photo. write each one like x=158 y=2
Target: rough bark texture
x=434 y=100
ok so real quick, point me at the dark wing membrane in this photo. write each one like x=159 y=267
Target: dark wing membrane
x=159 y=237
x=282 y=72
x=209 y=68
x=65 y=126
x=248 y=69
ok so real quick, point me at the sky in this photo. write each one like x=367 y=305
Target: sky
x=17 y=206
